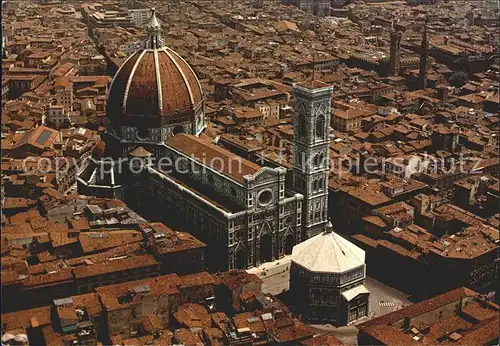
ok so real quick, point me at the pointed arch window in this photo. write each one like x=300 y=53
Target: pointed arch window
x=320 y=126
x=317 y=159
x=302 y=126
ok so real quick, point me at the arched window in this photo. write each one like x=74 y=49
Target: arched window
x=302 y=126
x=178 y=129
x=320 y=126
x=321 y=183
x=321 y=159
x=315 y=185
x=300 y=183
x=142 y=132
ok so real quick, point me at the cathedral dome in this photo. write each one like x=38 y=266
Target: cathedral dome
x=155 y=86
x=154 y=83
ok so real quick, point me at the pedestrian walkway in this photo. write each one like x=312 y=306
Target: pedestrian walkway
x=275 y=275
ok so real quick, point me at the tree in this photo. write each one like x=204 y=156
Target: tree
x=458 y=79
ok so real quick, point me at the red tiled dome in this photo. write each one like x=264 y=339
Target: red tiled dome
x=154 y=83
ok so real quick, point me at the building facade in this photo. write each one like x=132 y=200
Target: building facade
x=57 y=115
x=139 y=16
x=320 y=8
x=245 y=213
x=244 y=219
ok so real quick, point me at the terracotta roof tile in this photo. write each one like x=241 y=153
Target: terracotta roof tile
x=223 y=160
x=180 y=89
x=143 y=89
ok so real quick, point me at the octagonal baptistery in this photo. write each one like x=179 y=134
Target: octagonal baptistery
x=327 y=276
x=155 y=94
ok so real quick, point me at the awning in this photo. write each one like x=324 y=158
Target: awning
x=354 y=292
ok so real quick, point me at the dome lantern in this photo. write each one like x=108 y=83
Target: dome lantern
x=153 y=28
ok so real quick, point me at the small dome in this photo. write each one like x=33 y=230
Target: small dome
x=328 y=252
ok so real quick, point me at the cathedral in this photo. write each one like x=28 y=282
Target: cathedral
x=244 y=212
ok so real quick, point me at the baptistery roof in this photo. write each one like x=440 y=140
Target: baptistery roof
x=328 y=252
x=154 y=81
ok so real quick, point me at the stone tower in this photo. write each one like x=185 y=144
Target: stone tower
x=424 y=54
x=394 y=62
x=312 y=103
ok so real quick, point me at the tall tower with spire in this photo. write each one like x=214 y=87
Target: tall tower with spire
x=394 y=62
x=424 y=54
x=153 y=28
x=312 y=104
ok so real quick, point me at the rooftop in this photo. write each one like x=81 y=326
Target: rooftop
x=217 y=158
x=328 y=252
x=472 y=317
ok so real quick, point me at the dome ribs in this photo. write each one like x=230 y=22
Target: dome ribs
x=119 y=84
x=157 y=84
x=191 y=79
x=142 y=96
x=174 y=89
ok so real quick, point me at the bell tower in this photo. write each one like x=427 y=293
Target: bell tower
x=312 y=104
x=424 y=55
x=395 y=57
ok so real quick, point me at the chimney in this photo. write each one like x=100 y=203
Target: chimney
x=442 y=93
